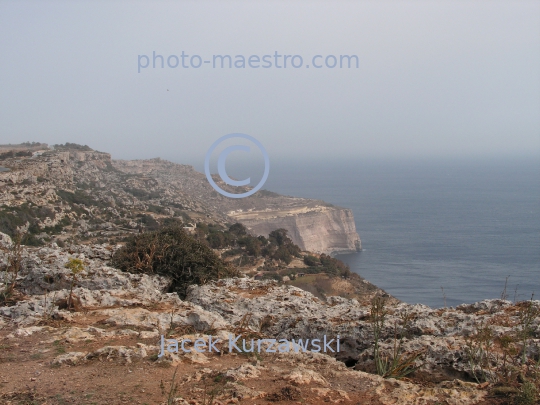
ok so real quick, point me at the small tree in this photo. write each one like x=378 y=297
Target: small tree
x=75 y=266
x=252 y=245
x=216 y=240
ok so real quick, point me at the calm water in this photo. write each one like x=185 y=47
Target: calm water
x=463 y=226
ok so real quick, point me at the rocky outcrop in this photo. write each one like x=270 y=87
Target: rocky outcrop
x=441 y=335
x=320 y=229
x=131 y=308
x=111 y=191
x=132 y=301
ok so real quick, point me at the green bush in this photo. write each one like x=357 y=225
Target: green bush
x=31 y=240
x=334 y=266
x=171 y=222
x=219 y=239
x=238 y=229
x=173 y=253
x=310 y=260
x=282 y=254
x=73 y=146
x=13 y=217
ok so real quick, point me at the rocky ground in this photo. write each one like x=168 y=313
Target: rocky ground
x=82 y=195
x=105 y=351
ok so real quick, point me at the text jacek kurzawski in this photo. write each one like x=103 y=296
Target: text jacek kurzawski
x=248 y=346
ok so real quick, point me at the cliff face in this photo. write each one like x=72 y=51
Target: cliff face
x=320 y=229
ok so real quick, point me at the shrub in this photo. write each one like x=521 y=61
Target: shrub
x=171 y=252
x=236 y=235
x=31 y=240
x=12 y=218
x=157 y=209
x=171 y=222
x=13 y=154
x=271 y=275
x=238 y=229
x=149 y=222
x=310 y=260
x=283 y=254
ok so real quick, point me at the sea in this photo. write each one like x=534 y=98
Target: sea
x=436 y=232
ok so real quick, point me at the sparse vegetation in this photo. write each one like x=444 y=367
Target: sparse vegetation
x=79 y=197
x=399 y=364
x=142 y=194
x=15 y=154
x=528 y=394
x=503 y=359
x=27 y=219
x=173 y=389
x=11 y=269
x=98 y=207
x=72 y=146
x=478 y=352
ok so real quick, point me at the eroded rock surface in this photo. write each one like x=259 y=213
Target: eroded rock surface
x=123 y=317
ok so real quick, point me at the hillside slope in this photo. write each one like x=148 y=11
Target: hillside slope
x=107 y=197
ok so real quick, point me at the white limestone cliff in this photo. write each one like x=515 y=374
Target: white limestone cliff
x=320 y=229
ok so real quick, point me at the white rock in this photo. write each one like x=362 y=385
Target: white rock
x=71 y=358
x=301 y=376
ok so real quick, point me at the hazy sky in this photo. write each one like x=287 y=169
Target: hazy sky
x=435 y=78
